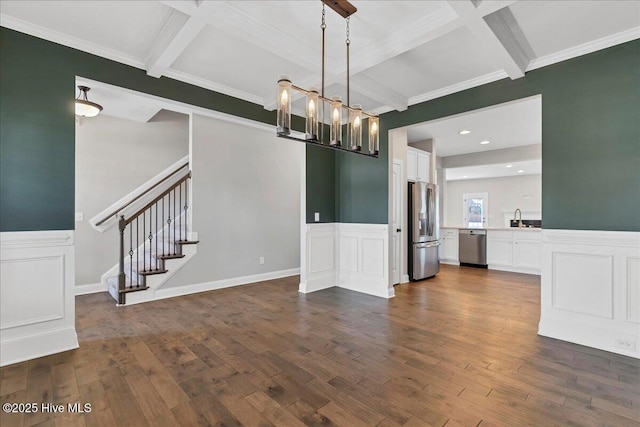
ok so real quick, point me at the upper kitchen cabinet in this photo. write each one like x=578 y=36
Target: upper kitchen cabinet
x=418 y=162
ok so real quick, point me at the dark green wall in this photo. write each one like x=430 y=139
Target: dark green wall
x=37 y=136
x=321 y=184
x=590 y=150
x=591 y=137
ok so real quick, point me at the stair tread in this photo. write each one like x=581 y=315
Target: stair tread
x=187 y=242
x=152 y=272
x=171 y=256
x=134 y=289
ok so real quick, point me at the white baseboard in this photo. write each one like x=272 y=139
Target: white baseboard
x=590 y=289
x=533 y=271
x=444 y=261
x=163 y=293
x=90 y=288
x=404 y=278
x=576 y=332
x=37 y=345
x=318 y=283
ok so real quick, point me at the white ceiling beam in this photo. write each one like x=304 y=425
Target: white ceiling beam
x=497 y=38
x=419 y=32
x=506 y=28
x=172 y=41
x=378 y=92
x=184 y=6
x=487 y=7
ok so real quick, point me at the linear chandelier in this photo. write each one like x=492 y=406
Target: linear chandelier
x=317 y=104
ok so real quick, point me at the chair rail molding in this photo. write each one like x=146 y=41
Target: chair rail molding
x=590 y=289
x=37 y=283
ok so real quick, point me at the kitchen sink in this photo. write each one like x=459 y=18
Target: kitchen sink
x=526 y=223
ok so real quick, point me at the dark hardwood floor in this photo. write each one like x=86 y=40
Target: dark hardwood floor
x=457 y=350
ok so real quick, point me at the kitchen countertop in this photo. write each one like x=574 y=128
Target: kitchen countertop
x=498 y=228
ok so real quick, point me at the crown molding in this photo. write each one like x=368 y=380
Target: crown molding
x=458 y=87
x=585 y=48
x=216 y=87
x=69 y=41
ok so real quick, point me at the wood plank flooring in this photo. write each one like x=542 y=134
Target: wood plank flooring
x=457 y=350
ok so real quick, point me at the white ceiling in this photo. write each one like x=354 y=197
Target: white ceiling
x=511 y=124
x=527 y=167
x=402 y=52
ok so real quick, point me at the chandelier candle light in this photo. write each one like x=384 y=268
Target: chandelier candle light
x=316 y=102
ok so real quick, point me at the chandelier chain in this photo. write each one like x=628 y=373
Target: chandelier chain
x=348 y=40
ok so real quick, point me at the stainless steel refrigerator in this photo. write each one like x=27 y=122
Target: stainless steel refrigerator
x=423 y=231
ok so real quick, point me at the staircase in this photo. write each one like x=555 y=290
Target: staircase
x=154 y=239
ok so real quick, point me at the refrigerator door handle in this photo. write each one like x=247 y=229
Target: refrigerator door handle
x=427 y=245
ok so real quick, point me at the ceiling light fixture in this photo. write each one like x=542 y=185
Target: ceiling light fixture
x=485 y=142
x=317 y=103
x=509 y=166
x=84 y=107
x=520 y=171
x=464 y=132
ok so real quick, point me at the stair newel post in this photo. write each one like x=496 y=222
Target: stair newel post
x=121 y=276
x=156 y=257
x=164 y=238
x=186 y=207
x=137 y=252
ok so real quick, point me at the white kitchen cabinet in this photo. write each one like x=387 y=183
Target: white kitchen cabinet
x=449 y=245
x=517 y=251
x=526 y=251
x=418 y=165
x=412 y=164
x=499 y=248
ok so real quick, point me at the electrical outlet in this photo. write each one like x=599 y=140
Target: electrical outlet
x=625 y=344
x=316 y=216
x=79 y=216
x=261 y=260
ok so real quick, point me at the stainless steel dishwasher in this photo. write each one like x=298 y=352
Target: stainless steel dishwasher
x=472 y=247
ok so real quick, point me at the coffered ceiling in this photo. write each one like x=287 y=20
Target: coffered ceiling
x=402 y=52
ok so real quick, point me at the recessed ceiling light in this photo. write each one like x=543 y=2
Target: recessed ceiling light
x=509 y=166
x=485 y=142
x=464 y=132
x=464 y=176
x=520 y=171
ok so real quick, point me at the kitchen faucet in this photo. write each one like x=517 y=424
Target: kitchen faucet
x=519 y=217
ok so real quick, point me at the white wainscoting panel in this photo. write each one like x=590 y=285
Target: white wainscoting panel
x=633 y=290
x=37 y=304
x=366 y=267
x=372 y=252
x=320 y=258
x=23 y=299
x=583 y=283
x=590 y=290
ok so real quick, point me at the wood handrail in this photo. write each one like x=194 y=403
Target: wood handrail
x=139 y=212
x=114 y=213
